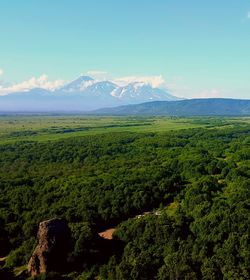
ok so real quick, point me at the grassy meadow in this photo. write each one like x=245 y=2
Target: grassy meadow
x=47 y=128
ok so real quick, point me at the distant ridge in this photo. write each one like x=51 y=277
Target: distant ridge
x=190 y=107
x=82 y=94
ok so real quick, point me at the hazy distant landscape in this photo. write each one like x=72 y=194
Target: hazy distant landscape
x=82 y=94
x=88 y=96
x=191 y=107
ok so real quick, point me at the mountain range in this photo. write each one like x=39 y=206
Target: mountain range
x=190 y=107
x=82 y=94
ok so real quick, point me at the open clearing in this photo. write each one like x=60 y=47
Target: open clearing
x=47 y=128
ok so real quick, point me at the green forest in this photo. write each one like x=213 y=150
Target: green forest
x=192 y=175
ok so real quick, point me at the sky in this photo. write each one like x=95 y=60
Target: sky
x=195 y=48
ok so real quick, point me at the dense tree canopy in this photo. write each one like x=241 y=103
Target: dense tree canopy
x=198 y=179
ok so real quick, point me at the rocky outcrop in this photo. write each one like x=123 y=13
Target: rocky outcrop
x=52 y=249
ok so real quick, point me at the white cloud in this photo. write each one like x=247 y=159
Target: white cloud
x=1 y=72
x=154 y=81
x=96 y=73
x=40 y=82
x=99 y=75
x=213 y=93
x=175 y=85
x=192 y=92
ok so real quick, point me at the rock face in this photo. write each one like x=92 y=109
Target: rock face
x=53 y=245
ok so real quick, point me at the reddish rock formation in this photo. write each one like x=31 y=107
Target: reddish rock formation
x=53 y=245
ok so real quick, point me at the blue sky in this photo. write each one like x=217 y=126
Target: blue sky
x=200 y=48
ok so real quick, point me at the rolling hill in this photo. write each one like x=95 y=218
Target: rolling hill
x=191 y=107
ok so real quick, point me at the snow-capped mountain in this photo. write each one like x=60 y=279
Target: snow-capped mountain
x=101 y=89
x=138 y=92
x=83 y=94
x=134 y=92
x=78 y=85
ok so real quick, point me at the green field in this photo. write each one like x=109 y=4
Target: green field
x=44 y=128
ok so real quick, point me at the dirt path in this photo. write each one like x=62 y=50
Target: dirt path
x=108 y=233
